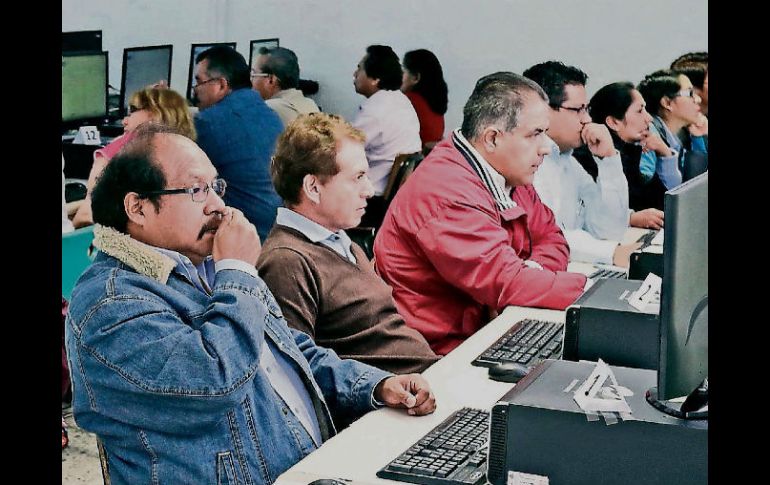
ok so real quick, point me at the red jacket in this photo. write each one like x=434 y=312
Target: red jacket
x=448 y=251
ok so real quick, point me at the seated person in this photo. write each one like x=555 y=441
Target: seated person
x=695 y=65
x=621 y=108
x=275 y=75
x=323 y=282
x=158 y=104
x=592 y=213
x=181 y=362
x=675 y=106
x=423 y=83
x=237 y=131
x=386 y=117
x=467 y=233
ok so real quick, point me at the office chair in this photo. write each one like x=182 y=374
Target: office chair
x=364 y=237
x=75 y=257
x=403 y=166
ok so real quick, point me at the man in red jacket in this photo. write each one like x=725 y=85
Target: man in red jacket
x=467 y=234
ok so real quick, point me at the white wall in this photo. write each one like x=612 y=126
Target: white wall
x=611 y=40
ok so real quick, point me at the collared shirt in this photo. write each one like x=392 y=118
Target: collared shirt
x=494 y=181
x=390 y=124
x=283 y=378
x=338 y=241
x=290 y=103
x=592 y=214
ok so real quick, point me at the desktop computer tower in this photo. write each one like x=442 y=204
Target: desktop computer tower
x=539 y=429
x=643 y=263
x=601 y=324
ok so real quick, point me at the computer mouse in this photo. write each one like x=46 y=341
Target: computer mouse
x=508 y=372
x=326 y=481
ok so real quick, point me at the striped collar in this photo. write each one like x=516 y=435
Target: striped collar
x=491 y=178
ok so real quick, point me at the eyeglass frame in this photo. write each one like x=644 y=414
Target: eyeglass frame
x=582 y=109
x=681 y=91
x=201 y=83
x=253 y=74
x=195 y=189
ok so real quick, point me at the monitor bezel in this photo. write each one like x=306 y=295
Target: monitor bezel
x=667 y=325
x=91 y=120
x=84 y=34
x=260 y=43
x=126 y=51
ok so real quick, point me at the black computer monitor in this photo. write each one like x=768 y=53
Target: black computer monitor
x=143 y=66
x=83 y=89
x=196 y=49
x=255 y=44
x=81 y=41
x=684 y=294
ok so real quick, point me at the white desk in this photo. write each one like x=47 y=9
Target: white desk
x=357 y=453
x=370 y=443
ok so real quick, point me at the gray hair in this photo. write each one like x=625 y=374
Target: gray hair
x=497 y=100
x=282 y=63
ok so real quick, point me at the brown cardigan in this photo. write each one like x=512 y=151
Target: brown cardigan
x=343 y=306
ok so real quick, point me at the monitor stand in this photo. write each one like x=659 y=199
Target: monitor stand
x=692 y=407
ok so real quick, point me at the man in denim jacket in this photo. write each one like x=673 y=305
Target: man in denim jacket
x=181 y=361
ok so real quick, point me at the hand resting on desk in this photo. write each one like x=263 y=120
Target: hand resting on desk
x=409 y=391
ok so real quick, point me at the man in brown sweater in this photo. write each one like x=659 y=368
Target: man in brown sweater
x=323 y=281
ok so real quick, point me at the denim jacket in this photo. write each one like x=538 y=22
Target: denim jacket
x=168 y=377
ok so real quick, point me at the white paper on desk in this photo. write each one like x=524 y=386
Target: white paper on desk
x=519 y=478
x=658 y=239
x=87 y=135
x=644 y=298
x=591 y=400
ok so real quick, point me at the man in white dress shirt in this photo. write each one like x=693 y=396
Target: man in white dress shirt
x=593 y=214
x=386 y=117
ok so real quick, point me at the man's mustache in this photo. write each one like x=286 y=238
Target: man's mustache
x=211 y=225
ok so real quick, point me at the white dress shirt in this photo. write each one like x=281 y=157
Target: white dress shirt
x=390 y=124
x=593 y=215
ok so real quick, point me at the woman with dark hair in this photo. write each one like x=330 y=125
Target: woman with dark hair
x=424 y=85
x=622 y=109
x=675 y=106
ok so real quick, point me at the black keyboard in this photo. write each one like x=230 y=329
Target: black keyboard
x=647 y=238
x=528 y=342
x=453 y=453
x=607 y=273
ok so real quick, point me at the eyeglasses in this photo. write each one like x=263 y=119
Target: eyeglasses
x=133 y=109
x=199 y=192
x=201 y=83
x=581 y=110
x=258 y=74
x=685 y=93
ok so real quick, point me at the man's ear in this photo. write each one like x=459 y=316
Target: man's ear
x=135 y=207
x=311 y=186
x=489 y=138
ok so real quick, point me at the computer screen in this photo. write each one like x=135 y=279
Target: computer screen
x=143 y=66
x=83 y=88
x=196 y=49
x=81 y=41
x=254 y=46
x=684 y=293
